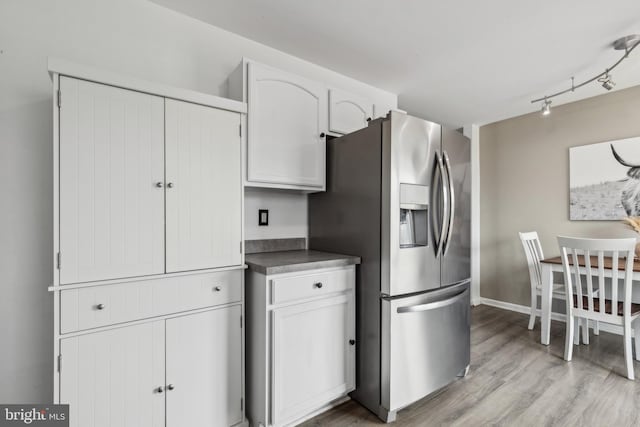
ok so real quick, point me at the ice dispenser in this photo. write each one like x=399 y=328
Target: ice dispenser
x=414 y=210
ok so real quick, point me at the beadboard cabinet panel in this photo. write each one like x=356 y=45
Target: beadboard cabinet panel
x=111 y=158
x=287 y=116
x=204 y=369
x=203 y=187
x=111 y=378
x=148 y=262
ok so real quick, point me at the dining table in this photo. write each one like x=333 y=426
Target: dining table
x=550 y=265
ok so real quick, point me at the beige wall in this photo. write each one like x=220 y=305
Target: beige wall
x=524 y=184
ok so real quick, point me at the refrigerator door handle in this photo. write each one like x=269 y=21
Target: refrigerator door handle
x=452 y=203
x=433 y=305
x=445 y=203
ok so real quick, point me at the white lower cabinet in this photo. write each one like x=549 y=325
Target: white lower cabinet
x=180 y=371
x=301 y=352
x=312 y=360
x=112 y=378
x=204 y=369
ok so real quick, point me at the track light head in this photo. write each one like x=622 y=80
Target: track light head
x=546 y=108
x=606 y=81
x=608 y=85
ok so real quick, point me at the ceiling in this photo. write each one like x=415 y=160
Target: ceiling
x=457 y=62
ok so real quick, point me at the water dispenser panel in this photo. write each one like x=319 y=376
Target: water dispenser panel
x=414 y=209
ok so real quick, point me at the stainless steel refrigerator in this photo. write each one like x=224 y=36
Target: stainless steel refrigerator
x=398 y=196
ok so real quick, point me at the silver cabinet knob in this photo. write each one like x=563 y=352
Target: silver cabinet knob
x=170 y=387
x=169 y=184
x=100 y=306
x=317 y=285
x=159 y=184
x=217 y=288
x=159 y=389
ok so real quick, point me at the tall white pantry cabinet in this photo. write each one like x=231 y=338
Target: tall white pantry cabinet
x=148 y=253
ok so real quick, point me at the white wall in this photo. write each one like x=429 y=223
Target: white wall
x=287 y=214
x=133 y=37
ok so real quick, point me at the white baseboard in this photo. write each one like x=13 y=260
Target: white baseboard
x=606 y=327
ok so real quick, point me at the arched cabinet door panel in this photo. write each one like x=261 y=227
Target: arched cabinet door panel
x=348 y=112
x=287 y=120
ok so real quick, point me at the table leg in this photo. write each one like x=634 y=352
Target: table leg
x=547 y=294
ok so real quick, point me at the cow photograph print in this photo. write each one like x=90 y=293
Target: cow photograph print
x=604 y=180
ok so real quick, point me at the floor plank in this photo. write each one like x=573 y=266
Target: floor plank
x=516 y=381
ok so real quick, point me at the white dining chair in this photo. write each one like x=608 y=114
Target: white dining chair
x=589 y=305
x=533 y=252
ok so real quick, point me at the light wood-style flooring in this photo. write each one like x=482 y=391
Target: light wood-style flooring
x=516 y=381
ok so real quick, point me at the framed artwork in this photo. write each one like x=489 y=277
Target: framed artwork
x=604 y=180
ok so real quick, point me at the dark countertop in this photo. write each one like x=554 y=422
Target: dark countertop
x=299 y=260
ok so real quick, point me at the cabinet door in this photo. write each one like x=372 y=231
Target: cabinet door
x=348 y=112
x=204 y=369
x=312 y=357
x=204 y=187
x=111 y=378
x=111 y=157
x=286 y=116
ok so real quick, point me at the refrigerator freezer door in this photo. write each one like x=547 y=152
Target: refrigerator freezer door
x=456 y=260
x=409 y=147
x=425 y=344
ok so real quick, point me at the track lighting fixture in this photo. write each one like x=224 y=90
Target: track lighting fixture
x=606 y=81
x=627 y=43
x=546 y=108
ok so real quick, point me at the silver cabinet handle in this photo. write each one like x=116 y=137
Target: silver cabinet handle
x=169 y=184
x=159 y=184
x=170 y=387
x=433 y=305
x=217 y=288
x=452 y=203
x=317 y=285
x=160 y=389
x=100 y=306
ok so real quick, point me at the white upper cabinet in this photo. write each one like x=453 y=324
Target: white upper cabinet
x=287 y=119
x=147 y=185
x=203 y=187
x=348 y=112
x=111 y=159
x=288 y=116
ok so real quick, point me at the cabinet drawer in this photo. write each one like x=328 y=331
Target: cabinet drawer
x=310 y=285
x=96 y=306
